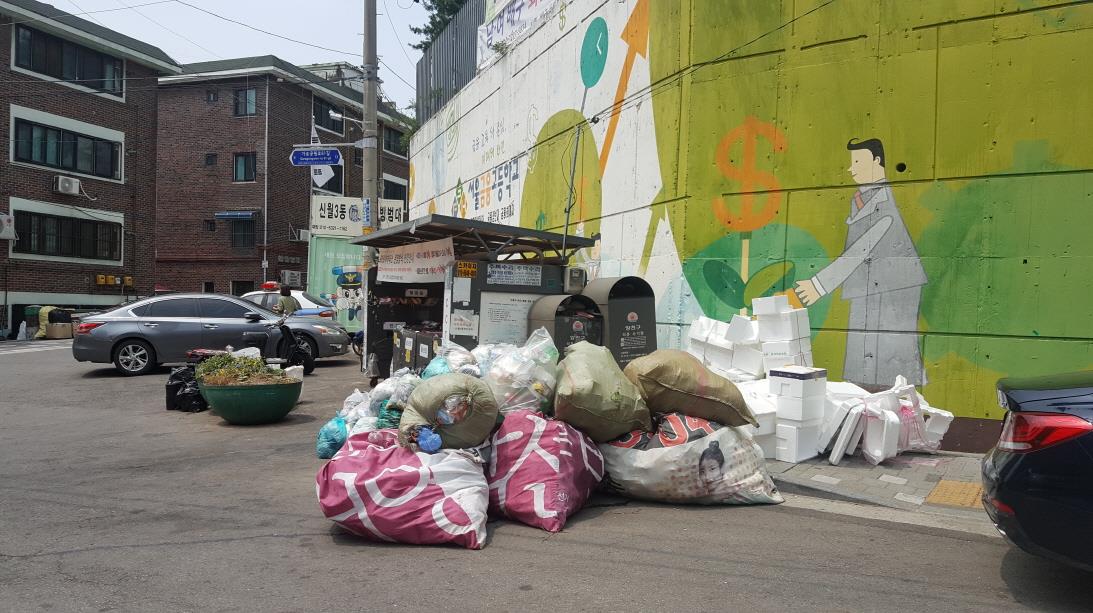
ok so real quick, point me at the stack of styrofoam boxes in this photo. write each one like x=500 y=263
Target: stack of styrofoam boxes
x=763 y=405
x=800 y=396
x=784 y=332
x=730 y=350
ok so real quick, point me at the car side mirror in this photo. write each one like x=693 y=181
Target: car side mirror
x=252 y=316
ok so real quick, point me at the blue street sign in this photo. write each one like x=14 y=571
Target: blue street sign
x=316 y=157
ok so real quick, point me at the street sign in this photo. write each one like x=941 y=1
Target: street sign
x=316 y=157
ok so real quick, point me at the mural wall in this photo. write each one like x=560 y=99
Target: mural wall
x=918 y=174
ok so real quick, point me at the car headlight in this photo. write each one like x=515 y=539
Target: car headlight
x=327 y=330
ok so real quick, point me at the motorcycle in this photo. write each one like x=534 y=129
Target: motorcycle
x=291 y=350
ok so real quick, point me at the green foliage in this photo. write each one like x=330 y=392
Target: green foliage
x=227 y=369
x=440 y=14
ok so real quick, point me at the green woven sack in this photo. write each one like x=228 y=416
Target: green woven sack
x=595 y=397
x=472 y=427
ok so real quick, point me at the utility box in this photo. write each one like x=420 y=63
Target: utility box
x=568 y=319
x=629 y=312
x=427 y=345
x=403 y=349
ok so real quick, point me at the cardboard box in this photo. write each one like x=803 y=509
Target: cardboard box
x=800 y=409
x=58 y=331
x=770 y=306
x=797 y=442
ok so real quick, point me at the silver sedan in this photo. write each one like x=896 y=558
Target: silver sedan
x=136 y=337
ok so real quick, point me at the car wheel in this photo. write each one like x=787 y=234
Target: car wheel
x=134 y=357
x=310 y=348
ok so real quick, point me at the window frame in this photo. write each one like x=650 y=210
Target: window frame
x=253 y=156
x=212 y=96
x=237 y=237
x=65 y=62
x=42 y=236
x=68 y=144
x=401 y=154
x=330 y=192
x=320 y=120
x=211 y=160
x=250 y=102
x=209 y=225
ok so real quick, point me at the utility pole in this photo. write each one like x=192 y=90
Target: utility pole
x=370 y=168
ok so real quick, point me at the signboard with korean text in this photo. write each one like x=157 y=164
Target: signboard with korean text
x=417 y=263
x=392 y=213
x=336 y=216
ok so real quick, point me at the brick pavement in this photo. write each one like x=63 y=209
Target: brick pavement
x=946 y=483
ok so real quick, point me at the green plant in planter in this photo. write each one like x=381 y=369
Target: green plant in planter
x=227 y=369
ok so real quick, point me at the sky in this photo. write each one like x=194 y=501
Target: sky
x=188 y=35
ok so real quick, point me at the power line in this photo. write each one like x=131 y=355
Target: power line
x=92 y=17
x=86 y=13
x=185 y=38
x=394 y=30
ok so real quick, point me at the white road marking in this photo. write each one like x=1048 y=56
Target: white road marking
x=923 y=518
x=33 y=347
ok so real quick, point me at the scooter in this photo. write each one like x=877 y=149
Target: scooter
x=291 y=350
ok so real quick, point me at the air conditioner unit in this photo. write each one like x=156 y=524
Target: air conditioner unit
x=66 y=185
x=292 y=278
x=303 y=236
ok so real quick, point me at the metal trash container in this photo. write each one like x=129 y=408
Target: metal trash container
x=629 y=311
x=570 y=319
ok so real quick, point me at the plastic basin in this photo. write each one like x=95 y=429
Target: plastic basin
x=252 y=404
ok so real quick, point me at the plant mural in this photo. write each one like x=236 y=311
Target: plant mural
x=706 y=142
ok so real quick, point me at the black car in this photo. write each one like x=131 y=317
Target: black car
x=1038 y=479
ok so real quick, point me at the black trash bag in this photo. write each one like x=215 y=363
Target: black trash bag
x=190 y=400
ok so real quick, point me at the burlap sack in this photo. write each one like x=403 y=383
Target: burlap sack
x=471 y=430
x=595 y=397
x=675 y=381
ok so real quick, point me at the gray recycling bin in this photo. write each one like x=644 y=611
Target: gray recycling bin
x=629 y=312
x=570 y=319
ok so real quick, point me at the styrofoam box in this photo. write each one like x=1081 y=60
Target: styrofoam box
x=802 y=321
x=797 y=388
x=748 y=360
x=775 y=363
x=797 y=442
x=742 y=330
x=881 y=440
x=764 y=408
x=785 y=349
x=712 y=355
x=806 y=359
x=700 y=329
x=800 y=409
x=771 y=305
x=769 y=444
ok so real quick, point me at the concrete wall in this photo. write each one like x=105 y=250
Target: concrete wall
x=711 y=138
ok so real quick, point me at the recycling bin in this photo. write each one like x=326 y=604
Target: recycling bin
x=629 y=312
x=569 y=319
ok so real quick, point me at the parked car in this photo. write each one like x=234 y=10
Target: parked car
x=310 y=306
x=1038 y=479
x=138 y=336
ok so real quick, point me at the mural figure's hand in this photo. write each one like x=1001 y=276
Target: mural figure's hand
x=807 y=292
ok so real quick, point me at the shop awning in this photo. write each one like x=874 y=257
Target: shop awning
x=235 y=214
x=474 y=237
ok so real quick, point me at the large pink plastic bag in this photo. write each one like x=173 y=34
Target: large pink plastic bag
x=383 y=492
x=542 y=470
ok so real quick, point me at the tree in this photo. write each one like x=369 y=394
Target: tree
x=440 y=14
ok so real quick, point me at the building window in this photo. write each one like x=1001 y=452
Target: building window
x=242 y=287
x=392 y=141
x=212 y=95
x=210 y=159
x=244 y=167
x=246 y=102
x=55 y=57
x=70 y=237
x=321 y=110
x=358 y=157
x=210 y=225
x=394 y=191
x=243 y=233
x=208 y=287
x=47 y=146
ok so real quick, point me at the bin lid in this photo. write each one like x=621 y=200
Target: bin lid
x=601 y=290
x=471 y=236
x=546 y=308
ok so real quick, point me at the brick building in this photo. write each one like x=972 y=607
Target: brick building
x=227 y=195
x=79 y=113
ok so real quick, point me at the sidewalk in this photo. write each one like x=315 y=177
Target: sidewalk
x=946 y=483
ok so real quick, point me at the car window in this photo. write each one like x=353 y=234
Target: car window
x=323 y=302
x=255 y=298
x=173 y=307
x=212 y=308
x=142 y=310
x=268 y=300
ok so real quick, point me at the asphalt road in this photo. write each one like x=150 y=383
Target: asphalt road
x=110 y=503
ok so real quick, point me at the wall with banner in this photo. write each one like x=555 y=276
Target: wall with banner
x=335 y=271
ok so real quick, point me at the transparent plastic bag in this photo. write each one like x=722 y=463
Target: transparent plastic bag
x=486 y=355
x=351 y=401
x=454 y=410
x=456 y=356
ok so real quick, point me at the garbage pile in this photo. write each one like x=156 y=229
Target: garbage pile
x=514 y=432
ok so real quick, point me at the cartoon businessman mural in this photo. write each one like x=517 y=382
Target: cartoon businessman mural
x=880 y=275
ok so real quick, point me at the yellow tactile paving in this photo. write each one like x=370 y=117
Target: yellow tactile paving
x=956 y=494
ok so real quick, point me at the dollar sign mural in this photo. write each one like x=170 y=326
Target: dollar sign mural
x=751 y=179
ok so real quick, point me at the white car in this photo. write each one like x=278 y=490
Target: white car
x=310 y=306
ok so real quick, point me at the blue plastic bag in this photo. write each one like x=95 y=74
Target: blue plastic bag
x=438 y=366
x=331 y=438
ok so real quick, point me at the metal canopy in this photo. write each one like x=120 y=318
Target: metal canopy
x=472 y=237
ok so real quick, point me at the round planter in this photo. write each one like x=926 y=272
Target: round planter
x=252 y=404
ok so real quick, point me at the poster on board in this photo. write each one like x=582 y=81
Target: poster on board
x=417 y=263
